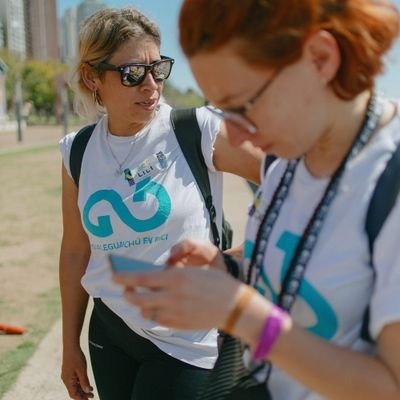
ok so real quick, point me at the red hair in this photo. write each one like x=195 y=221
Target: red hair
x=272 y=33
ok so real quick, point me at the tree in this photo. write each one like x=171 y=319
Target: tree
x=39 y=85
x=38 y=82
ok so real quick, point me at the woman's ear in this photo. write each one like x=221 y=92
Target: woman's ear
x=89 y=77
x=322 y=49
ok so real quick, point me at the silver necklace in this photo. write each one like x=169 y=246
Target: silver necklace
x=120 y=170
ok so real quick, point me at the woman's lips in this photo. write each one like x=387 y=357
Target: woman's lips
x=148 y=104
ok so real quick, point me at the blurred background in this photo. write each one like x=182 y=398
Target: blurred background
x=38 y=44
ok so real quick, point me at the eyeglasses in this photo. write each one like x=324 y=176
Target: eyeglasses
x=237 y=115
x=133 y=74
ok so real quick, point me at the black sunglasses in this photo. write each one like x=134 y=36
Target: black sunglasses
x=133 y=74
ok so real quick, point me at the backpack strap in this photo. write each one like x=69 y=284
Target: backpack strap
x=77 y=149
x=382 y=201
x=188 y=134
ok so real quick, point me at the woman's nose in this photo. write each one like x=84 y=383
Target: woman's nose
x=149 y=82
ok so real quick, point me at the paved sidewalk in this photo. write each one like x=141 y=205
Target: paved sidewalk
x=40 y=379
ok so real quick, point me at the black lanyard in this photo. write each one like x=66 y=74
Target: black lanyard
x=293 y=277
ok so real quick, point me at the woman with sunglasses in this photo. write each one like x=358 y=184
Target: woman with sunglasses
x=297 y=78
x=136 y=197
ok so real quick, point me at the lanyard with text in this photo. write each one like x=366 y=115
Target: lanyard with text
x=292 y=280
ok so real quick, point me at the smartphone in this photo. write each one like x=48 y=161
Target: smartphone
x=123 y=264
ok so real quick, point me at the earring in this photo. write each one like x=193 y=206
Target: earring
x=96 y=98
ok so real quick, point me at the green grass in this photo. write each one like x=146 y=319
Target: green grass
x=11 y=362
x=27 y=150
x=30 y=232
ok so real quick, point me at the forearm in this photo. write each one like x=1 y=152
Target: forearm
x=74 y=298
x=226 y=157
x=334 y=372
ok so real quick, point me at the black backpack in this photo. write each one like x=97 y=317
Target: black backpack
x=188 y=134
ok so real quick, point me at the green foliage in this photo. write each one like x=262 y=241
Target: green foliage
x=39 y=80
x=176 y=98
x=39 y=84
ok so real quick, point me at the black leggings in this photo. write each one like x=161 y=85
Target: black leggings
x=127 y=366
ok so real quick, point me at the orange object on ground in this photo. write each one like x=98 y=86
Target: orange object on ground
x=11 y=329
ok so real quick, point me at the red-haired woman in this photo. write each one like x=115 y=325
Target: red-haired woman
x=296 y=78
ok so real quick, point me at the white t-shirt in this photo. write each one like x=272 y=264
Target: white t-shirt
x=144 y=216
x=338 y=283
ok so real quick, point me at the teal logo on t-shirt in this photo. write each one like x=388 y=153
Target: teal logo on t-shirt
x=326 y=324
x=103 y=226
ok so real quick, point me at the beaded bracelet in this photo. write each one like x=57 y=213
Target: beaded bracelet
x=241 y=303
x=271 y=331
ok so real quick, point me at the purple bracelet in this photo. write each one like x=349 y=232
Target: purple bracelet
x=270 y=332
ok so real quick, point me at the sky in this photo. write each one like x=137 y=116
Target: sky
x=165 y=14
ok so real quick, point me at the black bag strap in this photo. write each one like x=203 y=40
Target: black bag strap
x=383 y=199
x=78 y=147
x=188 y=134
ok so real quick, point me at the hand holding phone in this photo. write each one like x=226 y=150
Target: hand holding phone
x=123 y=264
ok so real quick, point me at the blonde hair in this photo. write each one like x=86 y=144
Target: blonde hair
x=99 y=38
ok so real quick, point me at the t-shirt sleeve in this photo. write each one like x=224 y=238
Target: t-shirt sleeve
x=385 y=303
x=209 y=125
x=65 y=147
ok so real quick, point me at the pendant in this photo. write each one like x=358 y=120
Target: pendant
x=129 y=177
x=118 y=172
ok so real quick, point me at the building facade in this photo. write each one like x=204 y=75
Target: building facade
x=69 y=36
x=87 y=8
x=13 y=26
x=41 y=29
